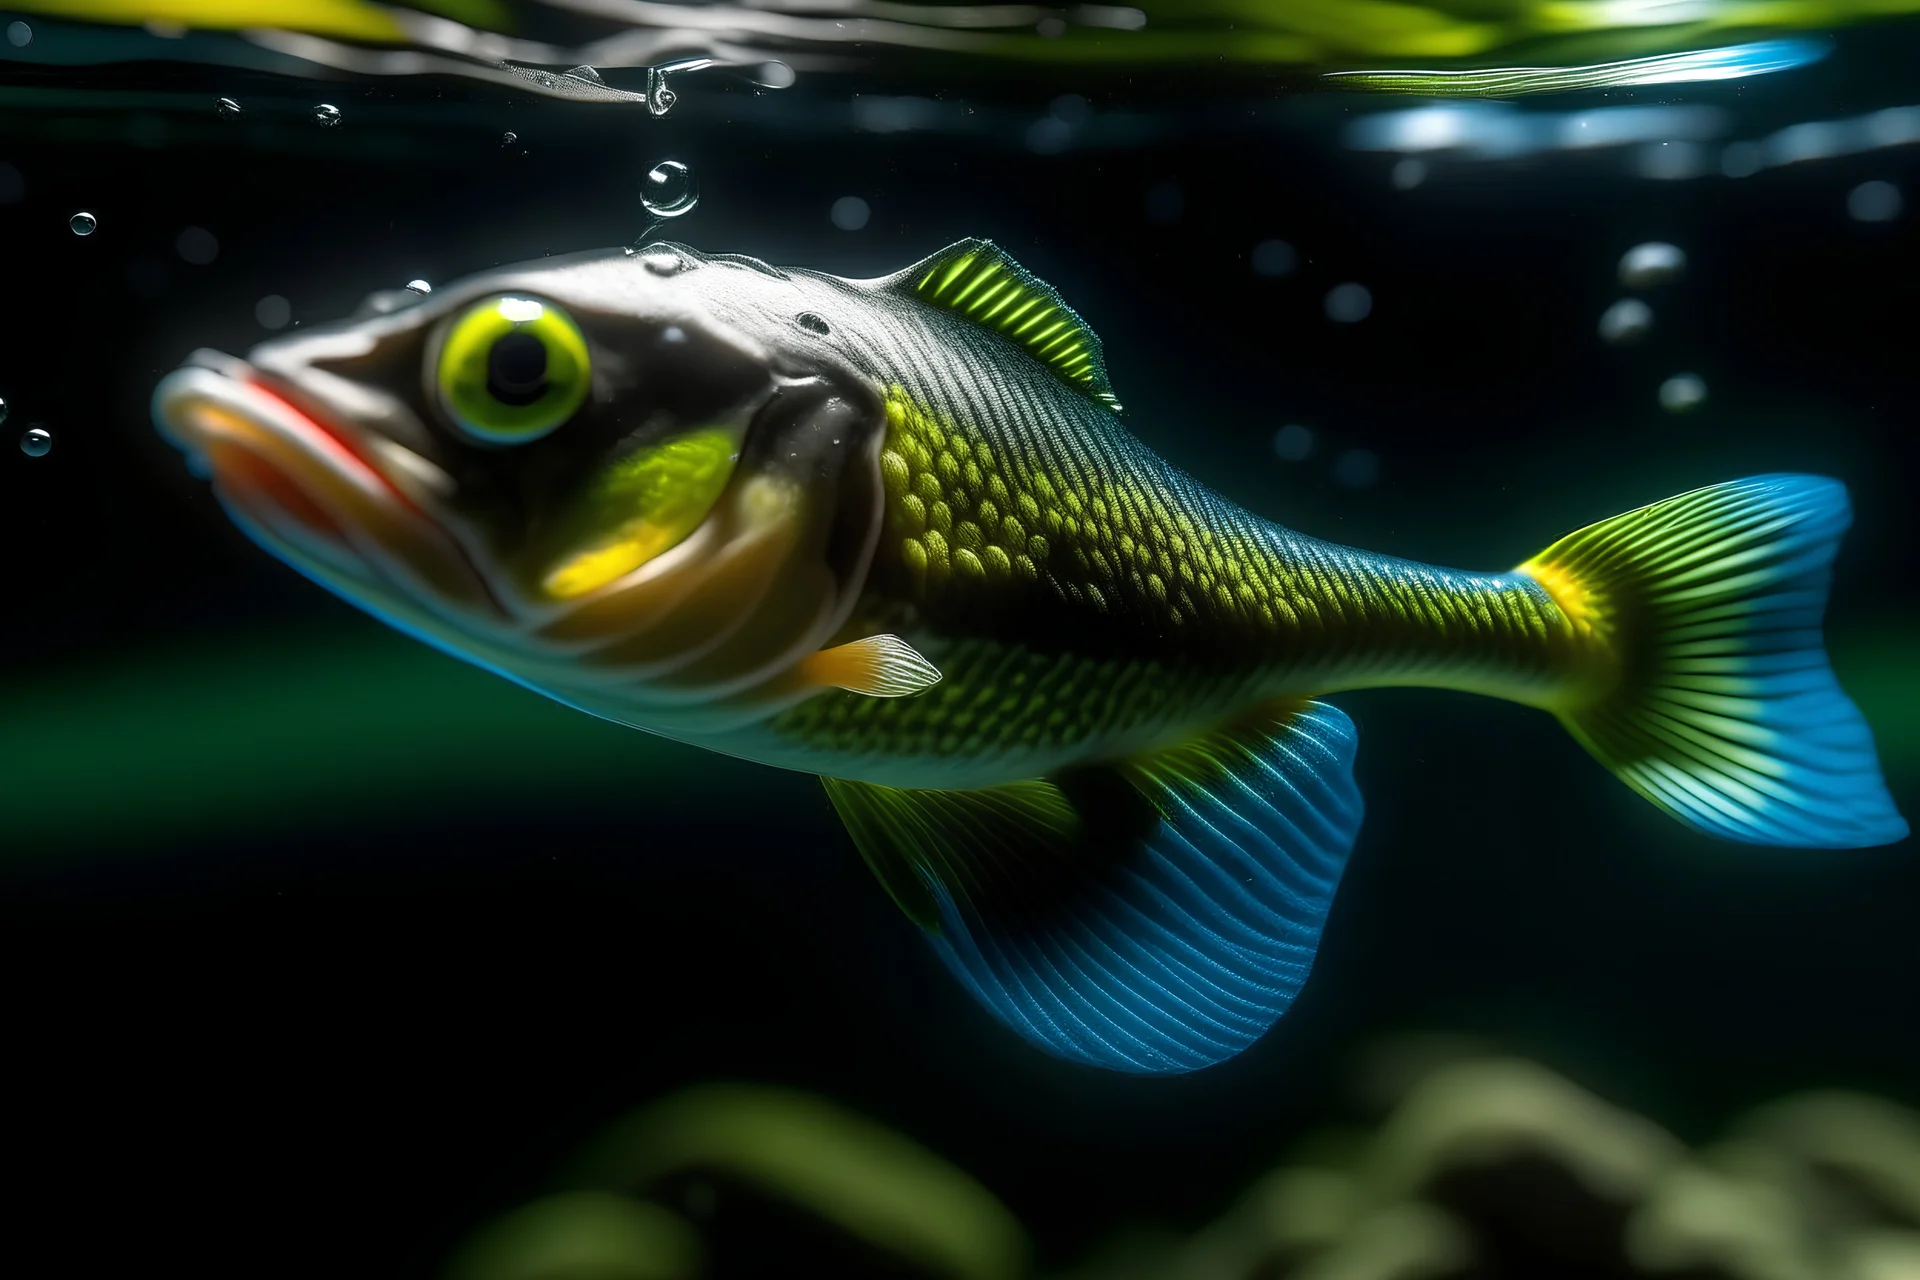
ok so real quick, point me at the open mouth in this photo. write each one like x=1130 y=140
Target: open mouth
x=310 y=486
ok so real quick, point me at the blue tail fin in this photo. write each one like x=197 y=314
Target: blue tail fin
x=1723 y=710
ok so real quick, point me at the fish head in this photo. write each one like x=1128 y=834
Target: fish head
x=635 y=480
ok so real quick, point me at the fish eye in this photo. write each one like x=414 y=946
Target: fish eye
x=512 y=369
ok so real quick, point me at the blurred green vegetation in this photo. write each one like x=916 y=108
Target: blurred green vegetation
x=288 y=730
x=1301 y=32
x=1483 y=1166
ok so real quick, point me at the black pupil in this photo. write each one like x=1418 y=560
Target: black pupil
x=517 y=368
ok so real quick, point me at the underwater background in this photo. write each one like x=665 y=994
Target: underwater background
x=325 y=951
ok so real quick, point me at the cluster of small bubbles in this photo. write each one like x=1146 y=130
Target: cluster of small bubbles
x=1165 y=203
x=196 y=245
x=1293 y=443
x=1625 y=321
x=1682 y=392
x=226 y=108
x=83 y=223
x=1409 y=173
x=326 y=115
x=37 y=442
x=1357 y=469
x=19 y=34
x=273 y=312
x=508 y=138
x=669 y=190
x=419 y=286
x=1653 y=263
x=1274 y=258
x=1874 y=201
x=850 y=213
x=1349 y=303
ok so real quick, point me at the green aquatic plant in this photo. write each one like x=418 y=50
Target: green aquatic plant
x=1418 y=44
x=1483 y=1165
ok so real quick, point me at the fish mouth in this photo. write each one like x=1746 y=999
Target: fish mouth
x=314 y=490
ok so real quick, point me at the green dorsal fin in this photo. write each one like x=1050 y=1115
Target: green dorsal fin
x=979 y=280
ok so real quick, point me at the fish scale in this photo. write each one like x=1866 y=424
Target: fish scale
x=894 y=533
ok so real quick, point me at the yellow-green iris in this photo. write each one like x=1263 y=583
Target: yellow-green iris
x=512 y=369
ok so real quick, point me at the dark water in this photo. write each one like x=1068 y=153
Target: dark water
x=332 y=1035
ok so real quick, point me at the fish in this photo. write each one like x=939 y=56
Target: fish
x=1068 y=702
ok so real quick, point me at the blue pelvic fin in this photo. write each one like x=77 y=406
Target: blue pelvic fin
x=1724 y=711
x=1155 y=916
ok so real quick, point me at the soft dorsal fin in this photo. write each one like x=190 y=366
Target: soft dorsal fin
x=979 y=280
x=1153 y=917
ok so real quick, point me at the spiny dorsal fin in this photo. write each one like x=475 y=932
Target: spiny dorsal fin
x=978 y=280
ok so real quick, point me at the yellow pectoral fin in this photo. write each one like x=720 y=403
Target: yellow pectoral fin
x=878 y=666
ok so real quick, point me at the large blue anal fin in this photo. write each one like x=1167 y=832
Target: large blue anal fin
x=1155 y=916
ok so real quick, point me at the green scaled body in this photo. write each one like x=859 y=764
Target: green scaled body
x=1081 y=598
x=893 y=532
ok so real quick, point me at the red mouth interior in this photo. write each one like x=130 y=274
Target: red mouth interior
x=350 y=455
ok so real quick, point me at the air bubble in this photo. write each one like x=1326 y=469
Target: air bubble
x=1874 y=201
x=196 y=245
x=850 y=213
x=1293 y=443
x=226 y=108
x=1682 y=392
x=4 y=408
x=419 y=286
x=508 y=138
x=669 y=190
x=83 y=223
x=1274 y=258
x=1357 y=469
x=1653 y=263
x=19 y=34
x=1349 y=303
x=326 y=115
x=37 y=442
x=1626 y=321
x=1409 y=173
x=273 y=311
